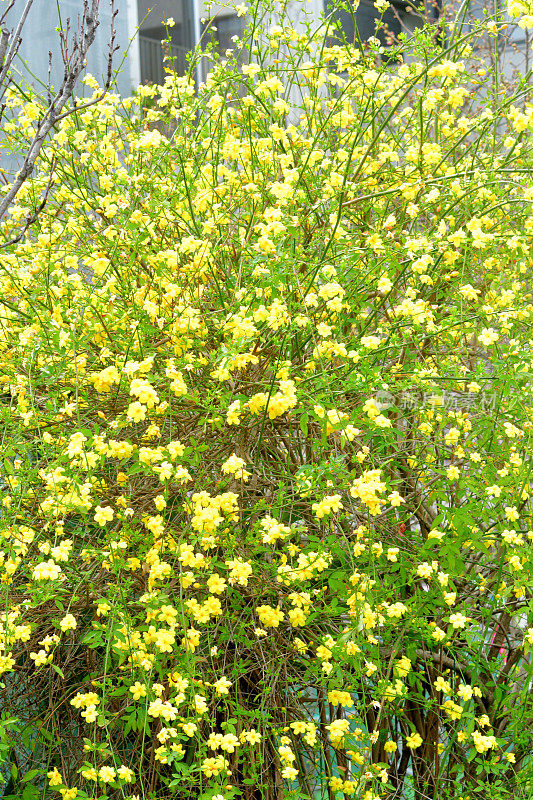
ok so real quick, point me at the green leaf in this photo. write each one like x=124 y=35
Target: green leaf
x=58 y=670
x=30 y=793
x=337 y=580
x=32 y=774
x=179 y=766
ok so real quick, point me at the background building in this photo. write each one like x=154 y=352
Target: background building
x=140 y=59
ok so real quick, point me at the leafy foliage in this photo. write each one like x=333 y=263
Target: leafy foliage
x=267 y=434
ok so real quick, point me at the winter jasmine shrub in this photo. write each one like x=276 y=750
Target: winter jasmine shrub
x=267 y=431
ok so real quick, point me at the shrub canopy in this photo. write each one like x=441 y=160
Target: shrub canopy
x=266 y=524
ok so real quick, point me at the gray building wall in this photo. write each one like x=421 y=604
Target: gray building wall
x=40 y=37
x=143 y=61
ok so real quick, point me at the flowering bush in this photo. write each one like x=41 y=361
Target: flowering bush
x=266 y=522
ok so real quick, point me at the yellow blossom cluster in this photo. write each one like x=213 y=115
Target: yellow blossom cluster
x=265 y=378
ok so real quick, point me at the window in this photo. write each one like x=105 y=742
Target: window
x=402 y=16
x=152 y=32
x=221 y=31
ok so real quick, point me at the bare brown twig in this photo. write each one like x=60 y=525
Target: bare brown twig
x=56 y=109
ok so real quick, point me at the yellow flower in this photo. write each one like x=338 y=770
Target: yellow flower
x=125 y=774
x=370 y=668
x=370 y=342
x=270 y=617
x=453 y=710
x=403 y=666
x=235 y=466
x=338 y=729
x=160 y=502
x=233 y=417
x=222 y=685
x=138 y=690
x=189 y=728
x=54 y=777
x=89 y=773
x=250 y=69
x=488 y=336
x=39 y=658
x=424 y=570
x=216 y=584
x=453 y=473
x=136 y=412
x=442 y=685
x=68 y=623
x=395 y=499
x=107 y=774
x=46 y=570
x=483 y=743
x=511 y=513
x=438 y=634
x=384 y=284
x=458 y=620
x=338 y=697
x=103 y=515
x=452 y=436
x=327 y=505
x=413 y=741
